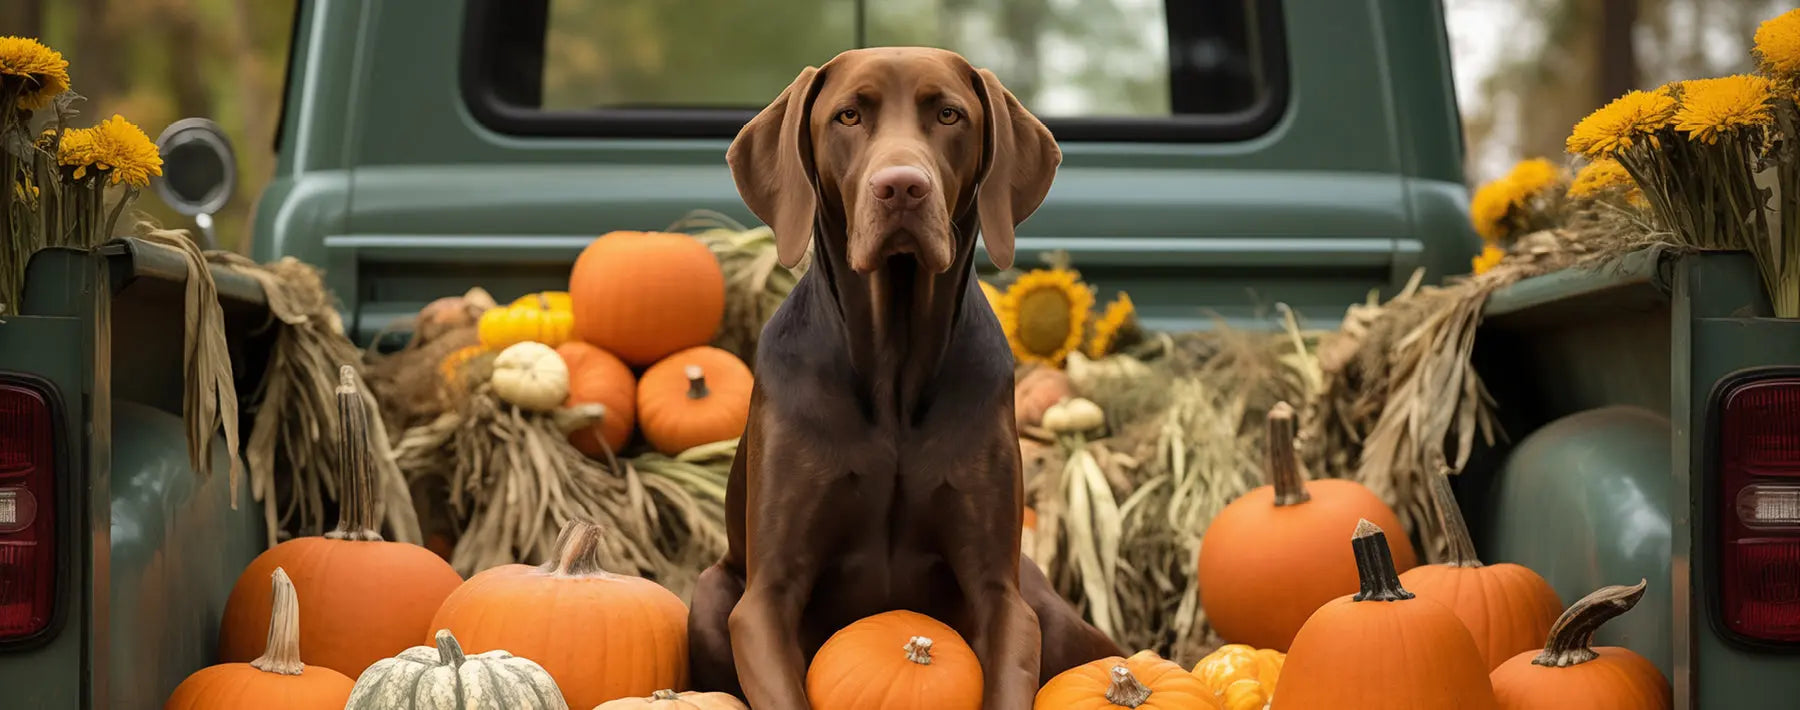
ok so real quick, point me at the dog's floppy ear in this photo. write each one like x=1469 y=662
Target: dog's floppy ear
x=1018 y=163
x=771 y=161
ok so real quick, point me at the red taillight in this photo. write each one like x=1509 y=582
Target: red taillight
x=1759 y=509
x=27 y=512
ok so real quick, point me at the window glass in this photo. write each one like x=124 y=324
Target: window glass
x=1063 y=58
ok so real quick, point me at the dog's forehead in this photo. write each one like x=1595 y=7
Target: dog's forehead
x=923 y=70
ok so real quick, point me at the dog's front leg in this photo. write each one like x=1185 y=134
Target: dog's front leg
x=765 y=642
x=983 y=552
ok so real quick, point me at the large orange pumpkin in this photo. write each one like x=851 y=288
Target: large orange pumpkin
x=900 y=660
x=1145 y=681
x=1507 y=607
x=697 y=396
x=1382 y=647
x=366 y=599
x=276 y=680
x=645 y=295
x=597 y=377
x=602 y=636
x=1569 y=672
x=1274 y=555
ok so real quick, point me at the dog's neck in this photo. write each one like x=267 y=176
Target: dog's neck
x=898 y=321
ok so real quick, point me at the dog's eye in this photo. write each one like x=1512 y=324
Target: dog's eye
x=849 y=117
x=949 y=116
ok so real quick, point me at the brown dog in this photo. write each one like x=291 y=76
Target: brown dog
x=880 y=466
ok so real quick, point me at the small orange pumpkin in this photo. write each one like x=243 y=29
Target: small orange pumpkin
x=646 y=295
x=697 y=396
x=1507 y=607
x=1268 y=560
x=277 y=680
x=1145 y=681
x=602 y=636
x=1569 y=672
x=597 y=377
x=367 y=599
x=1382 y=647
x=671 y=700
x=899 y=660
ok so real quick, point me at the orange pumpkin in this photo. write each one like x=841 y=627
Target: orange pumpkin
x=1507 y=607
x=646 y=295
x=1569 y=672
x=367 y=599
x=1269 y=560
x=697 y=396
x=602 y=636
x=276 y=680
x=899 y=660
x=1382 y=647
x=1144 y=681
x=671 y=700
x=597 y=377
x=1039 y=390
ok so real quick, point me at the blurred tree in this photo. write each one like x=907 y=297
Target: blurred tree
x=156 y=61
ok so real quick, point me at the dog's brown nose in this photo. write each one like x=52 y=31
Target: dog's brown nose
x=900 y=186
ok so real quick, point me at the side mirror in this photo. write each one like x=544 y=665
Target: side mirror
x=199 y=172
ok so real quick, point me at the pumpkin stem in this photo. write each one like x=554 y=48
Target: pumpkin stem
x=1126 y=690
x=1450 y=518
x=1572 y=636
x=918 y=650
x=665 y=695
x=359 y=518
x=696 y=382
x=449 y=651
x=578 y=551
x=281 y=654
x=1283 y=464
x=1375 y=565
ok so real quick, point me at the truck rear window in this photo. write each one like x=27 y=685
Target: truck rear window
x=1097 y=69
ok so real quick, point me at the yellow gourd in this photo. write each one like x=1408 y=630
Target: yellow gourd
x=537 y=319
x=1241 y=676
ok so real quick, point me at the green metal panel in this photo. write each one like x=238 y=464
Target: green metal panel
x=1356 y=185
x=1596 y=485
x=1721 y=326
x=178 y=544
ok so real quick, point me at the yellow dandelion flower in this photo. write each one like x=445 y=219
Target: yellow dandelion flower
x=1493 y=203
x=1634 y=117
x=1489 y=258
x=1778 y=45
x=1714 y=107
x=1043 y=314
x=1120 y=317
x=38 y=72
x=133 y=156
x=80 y=149
x=1598 y=177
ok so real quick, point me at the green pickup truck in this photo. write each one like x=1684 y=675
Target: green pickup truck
x=1219 y=157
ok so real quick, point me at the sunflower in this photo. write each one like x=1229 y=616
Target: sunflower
x=1043 y=314
x=1494 y=205
x=1114 y=327
x=1714 y=107
x=37 y=72
x=1489 y=258
x=1599 y=176
x=116 y=145
x=1778 y=45
x=1634 y=117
